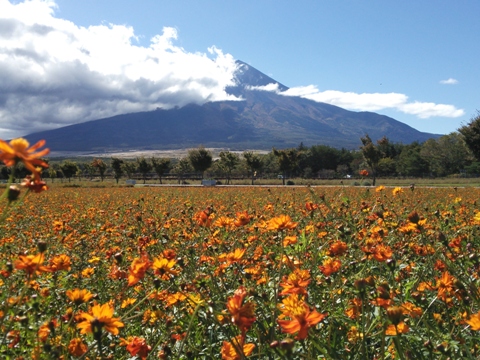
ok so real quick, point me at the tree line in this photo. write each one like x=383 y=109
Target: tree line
x=457 y=153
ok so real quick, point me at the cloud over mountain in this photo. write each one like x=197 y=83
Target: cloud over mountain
x=55 y=73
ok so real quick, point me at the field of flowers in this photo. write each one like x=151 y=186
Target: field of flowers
x=193 y=273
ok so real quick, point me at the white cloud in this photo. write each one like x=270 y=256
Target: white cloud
x=375 y=102
x=449 y=81
x=53 y=72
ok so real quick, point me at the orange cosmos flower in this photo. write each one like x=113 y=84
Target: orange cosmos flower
x=163 y=268
x=98 y=317
x=242 y=219
x=77 y=347
x=310 y=206
x=223 y=221
x=363 y=173
x=79 y=296
x=281 y=222
x=330 y=266
x=204 y=218
x=137 y=270
x=296 y=282
x=393 y=330
x=474 y=322
x=235 y=256
x=30 y=263
x=236 y=349
x=397 y=190
x=337 y=248
x=445 y=286
x=136 y=346
x=242 y=313
x=289 y=240
x=60 y=262
x=301 y=317
x=18 y=151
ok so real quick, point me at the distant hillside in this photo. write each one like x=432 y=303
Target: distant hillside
x=262 y=120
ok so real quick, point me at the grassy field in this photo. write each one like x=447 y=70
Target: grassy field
x=389 y=182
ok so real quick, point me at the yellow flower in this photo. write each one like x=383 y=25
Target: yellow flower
x=281 y=222
x=474 y=321
x=79 y=296
x=397 y=190
x=99 y=317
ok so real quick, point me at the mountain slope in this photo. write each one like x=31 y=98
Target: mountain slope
x=261 y=120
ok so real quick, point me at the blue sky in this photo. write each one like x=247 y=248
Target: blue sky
x=69 y=61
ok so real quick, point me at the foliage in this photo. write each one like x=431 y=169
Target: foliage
x=160 y=166
x=69 y=169
x=129 y=168
x=471 y=135
x=200 y=159
x=100 y=166
x=372 y=155
x=228 y=161
x=143 y=167
x=253 y=162
x=118 y=168
x=287 y=161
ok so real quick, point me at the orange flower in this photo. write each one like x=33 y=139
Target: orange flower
x=393 y=330
x=163 y=268
x=281 y=222
x=242 y=219
x=330 y=266
x=474 y=322
x=204 y=218
x=231 y=350
x=79 y=296
x=137 y=270
x=445 y=286
x=30 y=263
x=18 y=151
x=98 y=317
x=337 y=248
x=301 y=317
x=77 y=347
x=223 y=221
x=363 y=173
x=60 y=262
x=136 y=346
x=242 y=313
x=296 y=282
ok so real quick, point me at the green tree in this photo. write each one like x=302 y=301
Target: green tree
x=181 y=168
x=200 y=159
x=143 y=167
x=117 y=166
x=160 y=166
x=410 y=162
x=129 y=168
x=228 y=162
x=69 y=169
x=471 y=135
x=371 y=154
x=287 y=161
x=89 y=170
x=254 y=163
x=446 y=155
x=100 y=166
